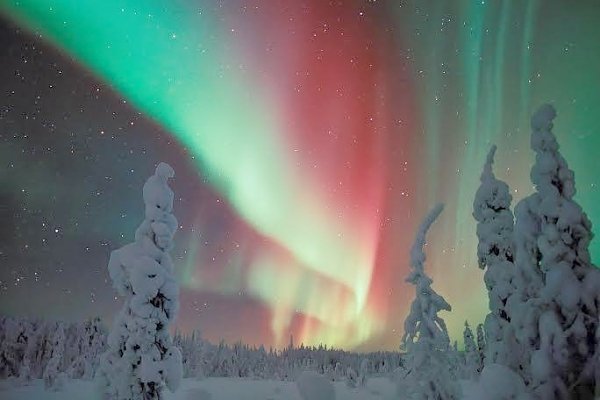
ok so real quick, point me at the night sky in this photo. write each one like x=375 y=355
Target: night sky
x=308 y=139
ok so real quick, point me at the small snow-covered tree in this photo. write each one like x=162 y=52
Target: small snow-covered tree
x=25 y=376
x=338 y=371
x=481 y=346
x=351 y=377
x=42 y=352
x=31 y=337
x=91 y=343
x=74 y=348
x=426 y=341
x=471 y=353
x=557 y=312
x=29 y=366
x=140 y=359
x=365 y=367
x=95 y=335
x=53 y=377
x=12 y=347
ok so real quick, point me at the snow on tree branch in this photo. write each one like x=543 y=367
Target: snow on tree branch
x=417 y=255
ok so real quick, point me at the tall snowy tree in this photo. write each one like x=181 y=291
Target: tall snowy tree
x=141 y=359
x=559 y=287
x=426 y=340
x=495 y=253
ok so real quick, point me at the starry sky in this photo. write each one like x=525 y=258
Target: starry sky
x=308 y=139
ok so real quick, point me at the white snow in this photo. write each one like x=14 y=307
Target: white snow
x=206 y=389
x=313 y=386
x=496 y=382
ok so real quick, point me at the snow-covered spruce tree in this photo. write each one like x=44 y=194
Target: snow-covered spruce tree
x=481 y=345
x=91 y=345
x=30 y=365
x=364 y=372
x=95 y=336
x=430 y=374
x=559 y=288
x=471 y=368
x=12 y=346
x=351 y=377
x=495 y=253
x=141 y=359
x=53 y=377
x=40 y=349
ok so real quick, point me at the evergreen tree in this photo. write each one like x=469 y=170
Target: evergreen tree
x=141 y=360
x=364 y=372
x=32 y=341
x=481 y=346
x=91 y=342
x=471 y=353
x=53 y=377
x=495 y=253
x=429 y=373
x=12 y=347
x=41 y=356
x=351 y=377
x=559 y=287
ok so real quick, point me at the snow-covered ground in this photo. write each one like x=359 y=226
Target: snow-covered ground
x=206 y=389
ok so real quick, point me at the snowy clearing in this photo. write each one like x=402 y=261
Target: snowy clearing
x=206 y=389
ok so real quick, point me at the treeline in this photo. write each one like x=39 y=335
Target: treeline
x=54 y=350
x=203 y=359
x=37 y=348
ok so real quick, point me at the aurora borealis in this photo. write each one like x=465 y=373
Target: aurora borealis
x=308 y=139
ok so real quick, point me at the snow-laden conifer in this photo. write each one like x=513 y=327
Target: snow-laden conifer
x=559 y=287
x=53 y=377
x=471 y=368
x=364 y=372
x=423 y=323
x=481 y=346
x=141 y=359
x=430 y=374
x=495 y=253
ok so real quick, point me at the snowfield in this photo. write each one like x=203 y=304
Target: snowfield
x=205 y=389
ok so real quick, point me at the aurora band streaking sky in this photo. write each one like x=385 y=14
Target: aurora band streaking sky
x=142 y=48
x=411 y=95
